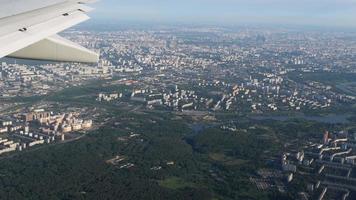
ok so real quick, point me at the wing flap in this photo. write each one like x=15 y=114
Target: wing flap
x=56 y=48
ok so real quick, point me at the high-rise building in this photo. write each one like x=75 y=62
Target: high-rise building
x=33 y=116
x=326 y=137
x=27 y=129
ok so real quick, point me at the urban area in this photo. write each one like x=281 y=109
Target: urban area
x=255 y=113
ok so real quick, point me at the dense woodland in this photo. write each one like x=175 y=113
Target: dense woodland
x=209 y=163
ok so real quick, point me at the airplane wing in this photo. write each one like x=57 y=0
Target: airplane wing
x=28 y=30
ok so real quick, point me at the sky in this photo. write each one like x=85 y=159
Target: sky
x=235 y=12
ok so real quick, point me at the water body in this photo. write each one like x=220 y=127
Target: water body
x=198 y=128
x=329 y=119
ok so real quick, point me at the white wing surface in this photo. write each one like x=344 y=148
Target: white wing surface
x=28 y=29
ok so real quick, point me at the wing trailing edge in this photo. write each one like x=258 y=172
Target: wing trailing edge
x=56 y=48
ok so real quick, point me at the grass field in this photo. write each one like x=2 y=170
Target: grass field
x=175 y=183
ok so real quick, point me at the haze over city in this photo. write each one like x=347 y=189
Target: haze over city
x=340 y=13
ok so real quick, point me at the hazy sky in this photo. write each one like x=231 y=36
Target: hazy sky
x=303 y=12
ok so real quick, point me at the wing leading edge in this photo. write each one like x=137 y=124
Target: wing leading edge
x=32 y=34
